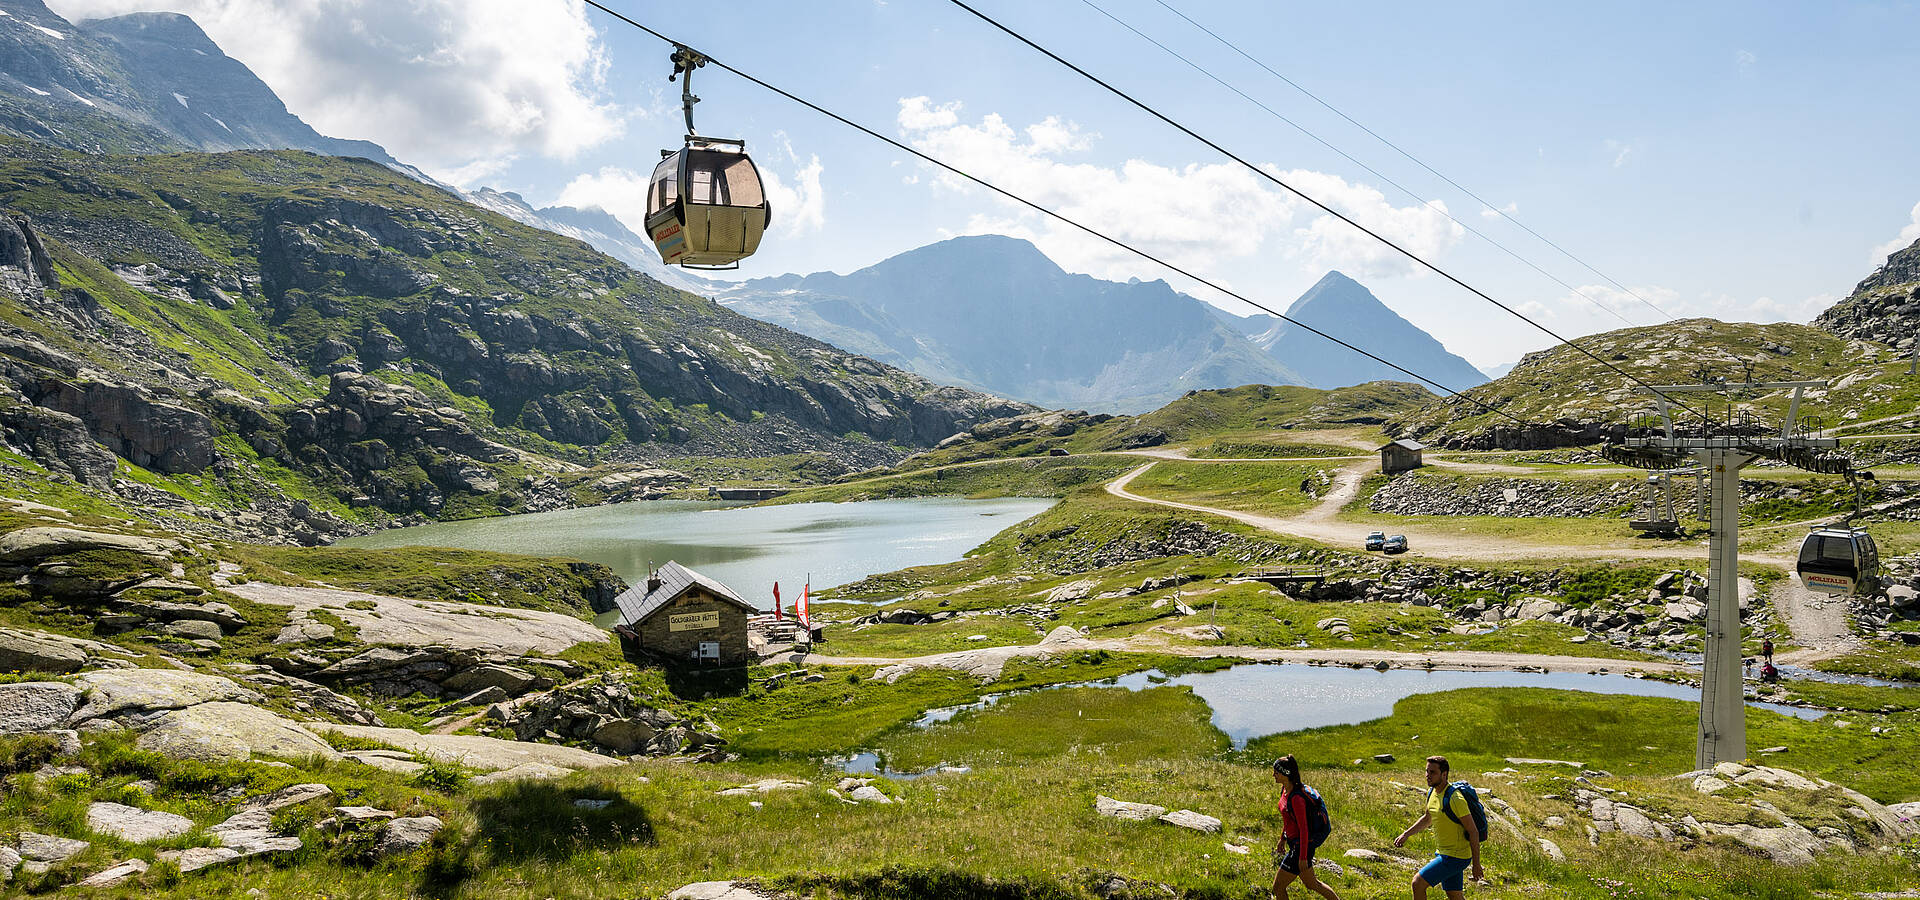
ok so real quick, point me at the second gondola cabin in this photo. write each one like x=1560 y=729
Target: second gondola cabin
x=706 y=207
x=1839 y=560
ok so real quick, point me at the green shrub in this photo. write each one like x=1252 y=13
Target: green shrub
x=26 y=752
x=442 y=777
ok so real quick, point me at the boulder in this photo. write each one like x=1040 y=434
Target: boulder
x=37 y=705
x=133 y=825
x=715 y=890
x=507 y=678
x=193 y=859
x=115 y=875
x=194 y=628
x=45 y=848
x=406 y=835
x=525 y=771
x=224 y=731
x=304 y=631
x=1121 y=809
x=9 y=861
x=1552 y=850
x=492 y=754
x=1789 y=845
x=624 y=735
x=291 y=795
x=30 y=544
x=1186 y=818
x=26 y=652
x=126 y=693
x=867 y=793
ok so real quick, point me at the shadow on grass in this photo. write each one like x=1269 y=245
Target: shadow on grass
x=701 y=684
x=540 y=820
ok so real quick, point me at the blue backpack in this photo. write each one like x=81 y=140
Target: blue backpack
x=1319 y=823
x=1474 y=809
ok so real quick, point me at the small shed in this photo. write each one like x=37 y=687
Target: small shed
x=1400 y=456
x=681 y=616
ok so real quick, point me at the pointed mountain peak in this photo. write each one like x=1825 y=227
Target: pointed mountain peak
x=1336 y=294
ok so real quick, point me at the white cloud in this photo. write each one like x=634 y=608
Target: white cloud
x=1745 y=59
x=453 y=86
x=1907 y=236
x=1725 y=307
x=1488 y=212
x=1625 y=302
x=1620 y=150
x=1194 y=216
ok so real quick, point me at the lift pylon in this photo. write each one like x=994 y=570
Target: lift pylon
x=1723 y=725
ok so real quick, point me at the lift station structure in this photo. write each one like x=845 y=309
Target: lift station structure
x=1741 y=440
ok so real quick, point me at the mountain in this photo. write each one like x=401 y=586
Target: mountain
x=1495 y=373
x=220 y=334
x=142 y=83
x=996 y=314
x=1344 y=308
x=1884 y=307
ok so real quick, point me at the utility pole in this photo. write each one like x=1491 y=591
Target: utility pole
x=1722 y=734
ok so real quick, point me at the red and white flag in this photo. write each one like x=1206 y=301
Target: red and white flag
x=776 y=601
x=800 y=611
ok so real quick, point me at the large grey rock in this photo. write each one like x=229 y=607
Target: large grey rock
x=624 y=735
x=195 y=628
x=1789 y=845
x=716 y=890
x=134 y=825
x=491 y=754
x=399 y=621
x=46 y=848
x=121 y=693
x=9 y=861
x=291 y=795
x=1631 y=821
x=1121 y=809
x=507 y=678
x=193 y=859
x=304 y=631
x=115 y=875
x=1186 y=818
x=37 y=705
x=406 y=835
x=225 y=731
x=867 y=793
x=29 y=544
x=24 y=652
x=525 y=771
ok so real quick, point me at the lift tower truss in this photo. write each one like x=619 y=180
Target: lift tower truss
x=1741 y=440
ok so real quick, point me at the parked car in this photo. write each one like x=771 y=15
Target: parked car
x=1395 y=544
x=1376 y=539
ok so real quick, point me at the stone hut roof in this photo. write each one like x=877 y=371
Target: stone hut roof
x=1406 y=443
x=637 y=603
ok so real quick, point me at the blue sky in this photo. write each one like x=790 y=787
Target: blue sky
x=1741 y=160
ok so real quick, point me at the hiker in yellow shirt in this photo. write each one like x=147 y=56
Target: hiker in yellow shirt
x=1455 y=836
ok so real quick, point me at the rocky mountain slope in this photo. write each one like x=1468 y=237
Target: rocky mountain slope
x=1344 y=308
x=994 y=313
x=598 y=228
x=1884 y=307
x=282 y=326
x=1570 y=398
x=141 y=83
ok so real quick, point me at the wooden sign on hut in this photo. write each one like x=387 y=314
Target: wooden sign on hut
x=682 y=617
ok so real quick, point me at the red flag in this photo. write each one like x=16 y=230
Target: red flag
x=801 y=610
x=776 y=601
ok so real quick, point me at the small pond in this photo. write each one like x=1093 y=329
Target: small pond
x=1256 y=699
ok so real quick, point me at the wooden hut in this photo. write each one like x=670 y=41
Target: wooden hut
x=683 y=617
x=1400 y=456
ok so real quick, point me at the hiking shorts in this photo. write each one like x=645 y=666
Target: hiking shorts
x=1448 y=873
x=1290 y=863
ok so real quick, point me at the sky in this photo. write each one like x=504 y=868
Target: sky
x=1747 y=161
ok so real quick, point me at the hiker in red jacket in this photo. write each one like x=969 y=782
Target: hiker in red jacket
x=1303 y=825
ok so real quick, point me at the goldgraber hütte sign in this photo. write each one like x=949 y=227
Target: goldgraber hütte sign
x=696 y=621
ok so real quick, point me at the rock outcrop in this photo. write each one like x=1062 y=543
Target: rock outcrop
x=1884 y=307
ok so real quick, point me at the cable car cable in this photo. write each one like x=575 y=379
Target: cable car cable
x=1417 y=161
x=1369 y=169
x=1060 y=217
x=1324 y=207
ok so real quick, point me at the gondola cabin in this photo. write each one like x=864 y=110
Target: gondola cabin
x=1839 y=560
x=706 y=207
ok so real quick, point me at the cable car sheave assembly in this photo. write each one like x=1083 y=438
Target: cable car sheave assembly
x=706 y=208
x=1834 y=559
